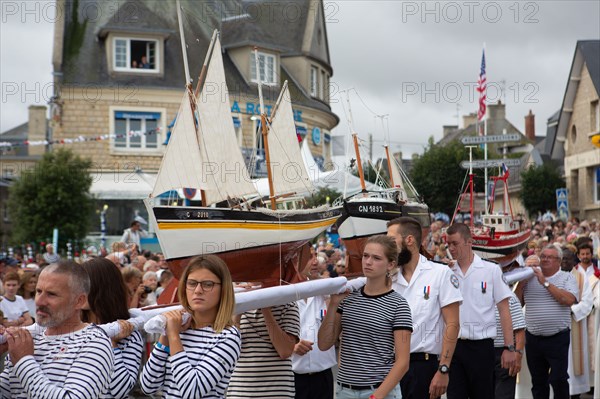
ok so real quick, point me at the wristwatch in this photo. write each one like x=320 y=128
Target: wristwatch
x=444 y=369
x=510 y=348
x=546 y=284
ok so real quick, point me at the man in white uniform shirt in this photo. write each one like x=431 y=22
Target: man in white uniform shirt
x=313 y=377
x=433 y=294
x=483 y=289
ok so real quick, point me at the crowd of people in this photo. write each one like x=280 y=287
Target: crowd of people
x=419 y=324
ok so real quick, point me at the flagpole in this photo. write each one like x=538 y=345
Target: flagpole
x=485 y=146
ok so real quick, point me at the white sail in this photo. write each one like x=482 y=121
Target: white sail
x=218 y=143
x=210 y=158
x=395 y=174
x=181 y=166
x=289 y=171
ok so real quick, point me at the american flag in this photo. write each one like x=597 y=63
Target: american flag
x=481 y=88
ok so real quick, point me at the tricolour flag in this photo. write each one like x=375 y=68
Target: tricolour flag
x=482 y=88
x=505 y=172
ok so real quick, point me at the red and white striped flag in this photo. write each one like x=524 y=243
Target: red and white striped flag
x=482 y=88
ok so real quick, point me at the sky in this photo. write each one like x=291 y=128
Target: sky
x=413 y=63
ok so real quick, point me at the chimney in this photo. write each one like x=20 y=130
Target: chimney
x=497 y=111
x=37 y=128
x=469 y=119
x=448 y=129
x=530 y=126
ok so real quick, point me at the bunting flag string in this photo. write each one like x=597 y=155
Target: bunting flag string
x=79 y=139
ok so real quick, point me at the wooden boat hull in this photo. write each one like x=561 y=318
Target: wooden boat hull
x=268 y=265
x=363 y=218
x=257 y=245
x=502 y=249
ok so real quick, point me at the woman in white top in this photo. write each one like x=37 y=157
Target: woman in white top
x=195 y=359
x=27 y=290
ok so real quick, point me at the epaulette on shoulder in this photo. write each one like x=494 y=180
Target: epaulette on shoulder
x=491 y=261
x=438 y=262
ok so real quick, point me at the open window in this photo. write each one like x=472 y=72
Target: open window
x=136 y=55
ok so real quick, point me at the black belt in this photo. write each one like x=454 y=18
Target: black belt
x=361 y=387
x=314 y=372
x=422 y=356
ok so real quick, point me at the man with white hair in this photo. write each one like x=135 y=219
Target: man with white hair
x=50 y=256
x=549 y=295
x=69 y=358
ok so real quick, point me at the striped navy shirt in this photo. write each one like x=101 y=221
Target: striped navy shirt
x=367 y=338
x=516 y=315
x=261 y=373
x=128 y=357
x=75 y=365
x=543 y=314
x=201 y=370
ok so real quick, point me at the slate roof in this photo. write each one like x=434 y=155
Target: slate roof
x=276 y=24
x=588 y=52
x=84 y=48
x=495 y=126
x=590 y=49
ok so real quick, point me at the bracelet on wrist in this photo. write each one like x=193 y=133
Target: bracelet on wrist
x=162 y=347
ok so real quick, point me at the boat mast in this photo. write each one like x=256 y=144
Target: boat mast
x=265 y=132
x=202 y=75
x=188 y=80
x=361 y=173
x=471 y=192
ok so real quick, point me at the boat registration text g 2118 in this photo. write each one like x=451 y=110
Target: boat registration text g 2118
x=370 y=208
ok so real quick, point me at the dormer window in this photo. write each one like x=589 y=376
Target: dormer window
x=267 y=64
x=136 y=55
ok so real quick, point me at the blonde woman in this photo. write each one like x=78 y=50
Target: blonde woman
x=196 y=359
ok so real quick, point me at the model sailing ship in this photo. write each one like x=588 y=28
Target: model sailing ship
x=257 y=242
x=500 y=237
x=367 y=212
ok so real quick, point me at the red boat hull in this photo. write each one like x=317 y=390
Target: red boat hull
x=502 y=248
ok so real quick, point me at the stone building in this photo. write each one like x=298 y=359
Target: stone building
x=119 y=67
x=579 y=120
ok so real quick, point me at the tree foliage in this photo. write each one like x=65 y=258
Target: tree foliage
x=371 y=173
x=54 y=194
x=438 y=176
x=322 y=196
x=538 y=187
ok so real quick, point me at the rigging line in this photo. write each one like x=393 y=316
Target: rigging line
x=365 y=105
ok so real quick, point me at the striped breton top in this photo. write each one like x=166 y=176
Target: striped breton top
x=367 y=337
x=128 y=357
x=516 y=315
x=543 y=314
x=201 y=370
x=75 y=365
x=261 y=373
